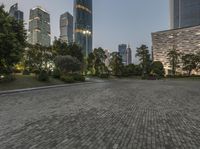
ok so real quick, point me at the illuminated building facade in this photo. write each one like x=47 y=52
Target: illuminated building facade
x=66 y=27
x=83 y=27
x=39 y=27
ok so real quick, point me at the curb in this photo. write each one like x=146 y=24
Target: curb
x=41 y=88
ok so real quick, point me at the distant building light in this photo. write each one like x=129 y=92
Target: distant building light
x=36 y=18
x=37 y=30
x=39 y=7
x=83 y=31
x=198 y=33
x=84 y=8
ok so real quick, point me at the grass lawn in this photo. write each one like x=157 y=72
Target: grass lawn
x=22 y=82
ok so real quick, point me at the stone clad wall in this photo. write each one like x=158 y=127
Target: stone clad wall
x=185 y=40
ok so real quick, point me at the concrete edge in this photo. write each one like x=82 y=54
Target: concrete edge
x=41 y=88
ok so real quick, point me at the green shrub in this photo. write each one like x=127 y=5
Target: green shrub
x=154 y=77
x=104 y=75
x=6 y=78
x=43 y=76
x=78 y=77
x=145 y=77
x=56 y=73
x=67 y=79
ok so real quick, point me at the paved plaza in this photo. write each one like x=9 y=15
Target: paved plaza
x=117 y=114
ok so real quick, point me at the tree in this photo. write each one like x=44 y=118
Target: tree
x=138 y=70
x=38 y=58
x=116 y=64
x=90 y=63
x=96 y=62
x=59 y=47
x=157 y=69
x=174 y=57
x=190 y=62
x=99 y=63
x=129 y=70
x=198 y=60
x=75 y=51
x=67 y=64
x=12 y=41
x=144 y=58
x=62 y=48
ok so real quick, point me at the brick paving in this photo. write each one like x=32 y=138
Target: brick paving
x=121 y=114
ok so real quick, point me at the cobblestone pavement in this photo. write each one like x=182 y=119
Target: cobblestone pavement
x=121 y=114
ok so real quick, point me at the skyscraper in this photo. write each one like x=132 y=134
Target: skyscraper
x=39 y=27
x=83 y=28
x=122 y=51
x=129 y=55
x=66 y=27
x=184 y=13
x=16 y=13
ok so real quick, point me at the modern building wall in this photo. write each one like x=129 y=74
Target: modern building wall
x=129 y=56
x=66 y=27
x=39 y=27
x=83 y=24
x=185 y=40
x=16 y=13
x=123 y=53
x=184 y=13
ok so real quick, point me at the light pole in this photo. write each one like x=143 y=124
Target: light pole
x=86 y=33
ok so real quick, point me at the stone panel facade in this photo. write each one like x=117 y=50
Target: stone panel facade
x=185 y=40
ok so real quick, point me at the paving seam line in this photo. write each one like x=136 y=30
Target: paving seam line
x=42 y=88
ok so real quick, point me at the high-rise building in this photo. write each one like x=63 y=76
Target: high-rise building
x=184 y=35
x=129 y=55
x=39 y=27
x=184 y=13
x=184 y=40
x=122 y=51
x=66 y=27
x=83 y=27
x=16 y=13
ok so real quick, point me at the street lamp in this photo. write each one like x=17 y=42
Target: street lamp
x=86 y=33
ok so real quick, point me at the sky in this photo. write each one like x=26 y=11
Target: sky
x=115 y=21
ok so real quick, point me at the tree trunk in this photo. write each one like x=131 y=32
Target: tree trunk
x=189 y=73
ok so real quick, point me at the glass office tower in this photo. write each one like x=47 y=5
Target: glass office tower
x=184 y=13
x=122 y=51
x=16 y=13
x=39 y=27
x=66 y=27
x=83 y=29
x=129 y=55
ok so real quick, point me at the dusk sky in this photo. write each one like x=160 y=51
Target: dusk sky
x=114 y=21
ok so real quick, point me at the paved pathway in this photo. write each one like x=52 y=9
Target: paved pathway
x=124 y=114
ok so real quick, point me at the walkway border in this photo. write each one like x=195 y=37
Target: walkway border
x=42 y=88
